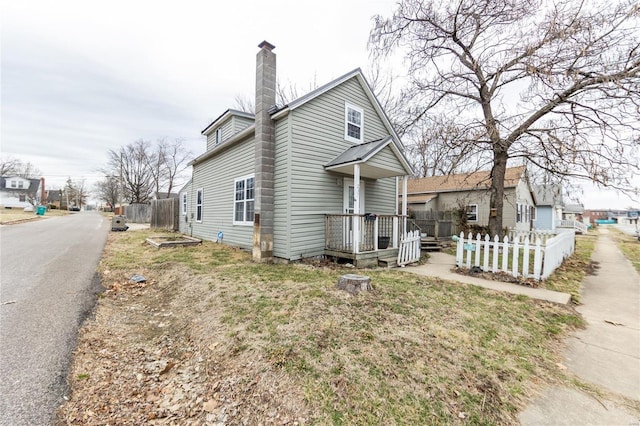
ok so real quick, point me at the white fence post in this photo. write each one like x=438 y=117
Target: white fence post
x=460 y=251
x=496 y=253
x=516 y=254
x=469 y=245
x=485 y=264
x=525 y=258
x=537 y=260
x=505 y=254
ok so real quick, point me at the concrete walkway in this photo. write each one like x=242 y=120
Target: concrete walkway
x=606 y=354
x=440 y=264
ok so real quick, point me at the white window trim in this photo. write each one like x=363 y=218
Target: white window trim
x=476 y=209
x=201 y=205
x=218 y=135
x=348 y=106
x=183 y=203
x=534 y=213
x=243 y=178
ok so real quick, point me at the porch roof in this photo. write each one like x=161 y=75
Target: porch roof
x=420 y=198
x=377 y=159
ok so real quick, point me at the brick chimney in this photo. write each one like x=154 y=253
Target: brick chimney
x=43 y=193
x=264 y=153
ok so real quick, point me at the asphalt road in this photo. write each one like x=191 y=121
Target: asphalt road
x=48 y=285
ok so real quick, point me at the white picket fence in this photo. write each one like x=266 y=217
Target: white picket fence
x=492 y=255
x=409 y=251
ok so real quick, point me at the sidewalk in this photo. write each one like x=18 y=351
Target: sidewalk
x=606 y=354
x=440 y=264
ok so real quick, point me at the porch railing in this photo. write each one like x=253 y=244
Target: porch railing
x=375 y=232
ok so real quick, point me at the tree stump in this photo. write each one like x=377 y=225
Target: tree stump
x=354 y=283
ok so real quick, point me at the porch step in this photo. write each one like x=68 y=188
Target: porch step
x=429 y=244
x=387 y=262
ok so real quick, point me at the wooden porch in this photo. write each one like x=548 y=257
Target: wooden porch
x=366 y=239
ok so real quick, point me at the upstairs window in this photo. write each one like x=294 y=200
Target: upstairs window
x=14 y=184
x=244 y=197
x=353 y=123
x=218 y=136
x=20 y=184
x=184 y=203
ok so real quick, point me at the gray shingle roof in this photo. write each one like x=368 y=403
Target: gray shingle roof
x=359 y=152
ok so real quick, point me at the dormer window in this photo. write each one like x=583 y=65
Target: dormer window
x=14 y=184
x=20 y=184
x=353 y=123
x=218 y=136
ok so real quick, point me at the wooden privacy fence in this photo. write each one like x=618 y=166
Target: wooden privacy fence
x=165 y=213
x=138 y=213
x=521 y=258
x=409 y=251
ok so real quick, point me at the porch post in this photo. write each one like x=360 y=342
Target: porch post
x=405 y=180
x=356 y=208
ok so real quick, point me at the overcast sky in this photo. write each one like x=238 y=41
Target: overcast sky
x=82 y=77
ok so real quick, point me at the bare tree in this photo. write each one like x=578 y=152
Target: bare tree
x=244 y=104
x=439 y=146
x=75 y=193
x=175 y=159
x=130 y=164
x=144 y=168
x=10 y=166
x=552 y=84
x=108 y=190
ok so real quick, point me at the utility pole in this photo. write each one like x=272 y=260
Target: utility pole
x=120 y=189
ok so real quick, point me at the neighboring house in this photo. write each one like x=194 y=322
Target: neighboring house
x=573 y=212
x=294 y=181
x=53 y=197
x=548 y=206
x=17 y=192
x=471 y=192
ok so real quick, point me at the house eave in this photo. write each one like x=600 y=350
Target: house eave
x=224 y=145
x=224 y=116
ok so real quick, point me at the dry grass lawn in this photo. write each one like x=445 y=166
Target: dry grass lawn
x=18 y=215
x=212 y=337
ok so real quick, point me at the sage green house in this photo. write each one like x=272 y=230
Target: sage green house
x=316 y=177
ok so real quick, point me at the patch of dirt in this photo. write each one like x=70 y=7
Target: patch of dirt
x=156 y=354
x=497 y=276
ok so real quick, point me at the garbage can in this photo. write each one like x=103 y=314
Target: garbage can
x=41 y=210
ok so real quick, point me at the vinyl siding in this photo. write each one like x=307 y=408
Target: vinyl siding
x=216 y=177
x=317 y=137
x=184 y=225
x=523 y=196
x=238 y=124
x=544 y=218
x=386 y=159
x=230 y=127
x=282 y=183
x=453 y=200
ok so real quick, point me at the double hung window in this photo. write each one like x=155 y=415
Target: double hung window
x=244 y=196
